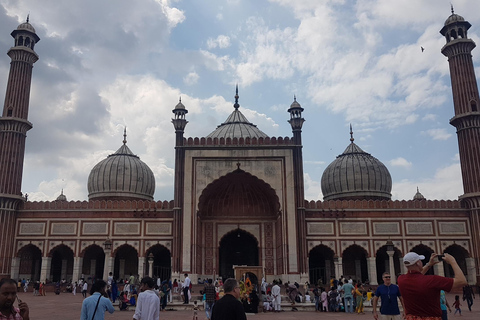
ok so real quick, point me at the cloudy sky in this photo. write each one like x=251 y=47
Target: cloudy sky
x=109 y=64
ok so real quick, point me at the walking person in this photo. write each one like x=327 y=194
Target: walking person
x=228 y=307
x=148 y=304
x=94 y=307
x=389 y=295
x=444 y=305
x=348 y=290
x=467 y=295
x=457 y=306
x=84 y=289
x=210 y=294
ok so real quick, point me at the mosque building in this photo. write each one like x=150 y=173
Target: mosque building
x=238 y=200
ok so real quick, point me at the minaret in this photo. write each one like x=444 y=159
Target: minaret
x=14 y=125
x=179 y=123
x=466 y=104
x=296 y=121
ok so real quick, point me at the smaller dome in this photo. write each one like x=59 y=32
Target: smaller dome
x=295 y=105
x=454 y=18
x=26 y=26
x=62 y=197
x=418 y=196
x=180 y=106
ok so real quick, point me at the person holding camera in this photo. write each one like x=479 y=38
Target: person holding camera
x=420 y=292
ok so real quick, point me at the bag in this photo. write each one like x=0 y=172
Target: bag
x=96 y=307
x=162 y=294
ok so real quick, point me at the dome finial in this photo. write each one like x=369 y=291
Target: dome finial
x=295 y=97
x=28 y=17
x=180 y=99
x=125 y=136
x=236 y=105
x=451 y=8
x=351 y=134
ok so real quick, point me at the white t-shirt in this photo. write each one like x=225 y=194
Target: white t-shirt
x=148 y=306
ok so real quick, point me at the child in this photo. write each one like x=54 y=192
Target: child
x=457 y=305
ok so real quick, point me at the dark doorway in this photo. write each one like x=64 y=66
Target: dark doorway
x=126 y=262
x=93 y=262
x=354 y=260
x=62 y=263
x=460 y=254
x=423 y=250
x=237 y=248
x=162 y=262
x=382 y=262
x=30 y=263
x=321 y=265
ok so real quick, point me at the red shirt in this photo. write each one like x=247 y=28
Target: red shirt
x=421 y=293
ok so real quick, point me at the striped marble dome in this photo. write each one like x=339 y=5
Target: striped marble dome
x=121 y=175
x=356 y=174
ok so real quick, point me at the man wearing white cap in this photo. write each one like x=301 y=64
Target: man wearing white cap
x=421 y=292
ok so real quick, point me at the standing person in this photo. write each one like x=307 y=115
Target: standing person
x=84 y=289
x=210 y=294
x=186 y=288
x=316 y=294
x=8 y=294
x=148 y=304
x=389 y=295
x=94 y=307
x=467 y=295
x=229 y=308
x=175 y=286
x=277 y=299
x=420 y=292
x=444 y=305
x=348 y=290
x=114 y=290
x=165 y=290
x=74 y=289
x=457 y=305
x=324 y=297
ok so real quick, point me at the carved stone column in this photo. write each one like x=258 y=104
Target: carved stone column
x=46 y=266
x=372 y=270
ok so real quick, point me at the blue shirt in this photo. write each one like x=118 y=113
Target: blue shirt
x=443 y=300
x=389 y=299
x=89 y=304
x=347 y=289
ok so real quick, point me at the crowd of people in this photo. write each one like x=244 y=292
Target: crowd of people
x=421 y=296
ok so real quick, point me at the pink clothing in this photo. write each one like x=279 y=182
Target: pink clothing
x=324 y=299
x=14 y=316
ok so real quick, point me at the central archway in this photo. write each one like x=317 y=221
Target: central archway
x=237 y=248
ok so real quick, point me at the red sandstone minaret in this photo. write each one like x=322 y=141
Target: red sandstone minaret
x=466 y=104
x=13 y=132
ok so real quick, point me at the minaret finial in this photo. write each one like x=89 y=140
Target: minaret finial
x=351 y=134
x=180 y=99
x=125 y=135
x=28 y=17
x=236 y=105
x=451 y=7
x=295 y=97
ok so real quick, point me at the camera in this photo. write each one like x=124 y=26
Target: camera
x=440 y=257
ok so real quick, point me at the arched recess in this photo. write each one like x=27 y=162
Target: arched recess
x=382 y=261
x=62 y=263
x=126 y=262
x=460 y=254
x=93 y=262
x=423 y=250
x=162 y=262
x=30 y=262
x=238 y=195
x=354 y=261
x=320 y=264
x=237 y=247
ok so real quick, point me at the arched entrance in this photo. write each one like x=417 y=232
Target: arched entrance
x=62 y=263
x=382 y=262
x=162 y=262
x=321 y=265
x=93 y=262
x=238 y=197
x=460 y=254
x=237 y=248
x=30 y=263
x=423 y=250
x=126 y=262
x=354 y=260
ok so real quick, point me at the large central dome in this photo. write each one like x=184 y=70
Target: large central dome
x=237 y=126
x=121 y=175
x=356 y=174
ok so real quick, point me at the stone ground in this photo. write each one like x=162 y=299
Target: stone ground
x=67 y=307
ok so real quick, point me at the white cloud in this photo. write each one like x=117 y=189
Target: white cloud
x=313 y=190
x=438 y=134
x=191 y=78
x=222 y=42
x=400 y=162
